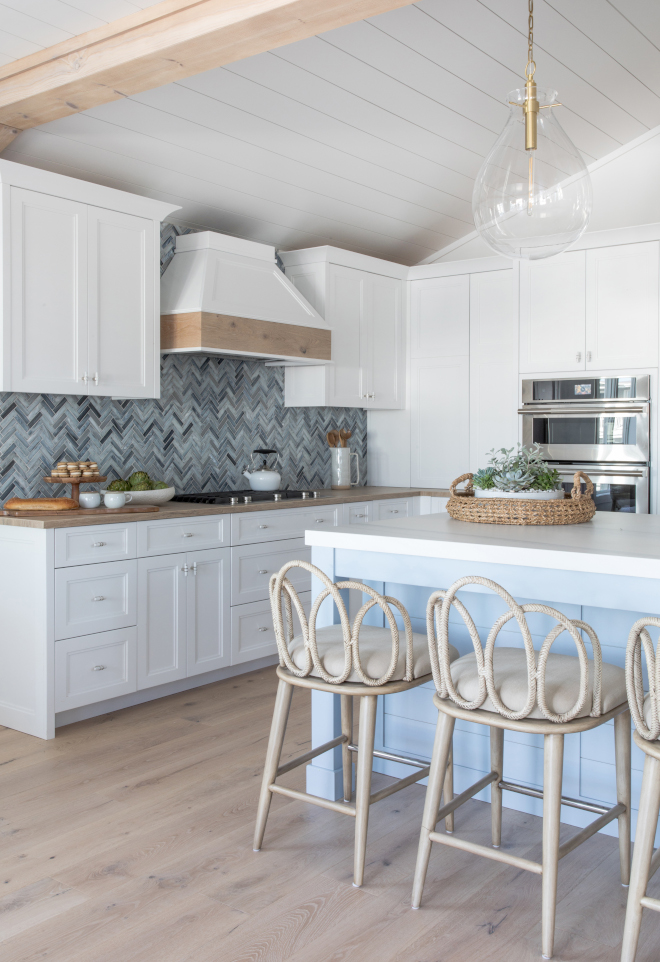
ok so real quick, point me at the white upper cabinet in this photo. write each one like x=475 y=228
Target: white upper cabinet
x=81 y=280
x=440 y=317
x=364 y=309
x=622 y=306
x=552 y=314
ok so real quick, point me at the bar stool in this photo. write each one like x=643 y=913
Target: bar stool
x=646 y=716
x=518 y=689
x=362 y=662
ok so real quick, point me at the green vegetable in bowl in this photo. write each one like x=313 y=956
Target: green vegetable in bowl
x=141 y=486
x=160 y=486
x=119 y=485
x=138 y=477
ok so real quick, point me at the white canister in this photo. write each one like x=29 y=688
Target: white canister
x=341 y=468
x=90 y=499
x=115 y=499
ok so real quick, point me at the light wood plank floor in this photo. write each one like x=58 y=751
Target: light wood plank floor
x=129 y=839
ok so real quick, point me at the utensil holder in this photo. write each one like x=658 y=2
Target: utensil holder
x=341 y=468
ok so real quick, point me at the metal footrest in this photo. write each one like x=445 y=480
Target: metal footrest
x=565 y=800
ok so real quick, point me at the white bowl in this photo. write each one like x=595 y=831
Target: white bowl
x=520 y=495
x=150 y=497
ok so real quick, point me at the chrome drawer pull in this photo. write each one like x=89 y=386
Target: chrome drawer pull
x=263 y=571
x=98 y=598
x=358 y=516
x=320 y=521
x=185 y=569
x=393 y=510
x=186 y=534
x=98 y=544
x=262 y=526
x=262 y=629
x=98 y=668
x=194 y=568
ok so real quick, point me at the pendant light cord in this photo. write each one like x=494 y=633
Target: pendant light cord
x=530 y=69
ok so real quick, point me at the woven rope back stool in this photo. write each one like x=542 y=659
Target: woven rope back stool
x=646 y=716
x=354 y=661
x=519 y=689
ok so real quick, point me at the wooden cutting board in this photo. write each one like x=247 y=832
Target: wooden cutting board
x=80 y=512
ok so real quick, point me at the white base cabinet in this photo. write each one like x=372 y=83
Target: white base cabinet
x=95 y=667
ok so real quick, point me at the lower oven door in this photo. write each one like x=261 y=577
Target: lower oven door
x=589 y=434
x=617 y=487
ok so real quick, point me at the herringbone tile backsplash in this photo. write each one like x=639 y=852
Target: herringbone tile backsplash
x=212 y=412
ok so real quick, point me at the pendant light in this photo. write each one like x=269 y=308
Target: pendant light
x=532 y=196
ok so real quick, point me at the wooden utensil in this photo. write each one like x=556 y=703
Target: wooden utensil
x=344 y=436
x=333 y=439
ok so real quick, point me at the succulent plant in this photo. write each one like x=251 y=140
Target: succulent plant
x=517 y=469
x=517 y=480
x=483 y=479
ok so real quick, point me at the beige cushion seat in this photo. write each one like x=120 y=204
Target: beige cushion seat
x=375 y=653
x=562 y=682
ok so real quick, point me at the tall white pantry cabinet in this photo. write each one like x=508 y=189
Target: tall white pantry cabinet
x=80 y=286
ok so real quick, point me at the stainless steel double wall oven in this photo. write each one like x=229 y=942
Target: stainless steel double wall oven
x=599 y=425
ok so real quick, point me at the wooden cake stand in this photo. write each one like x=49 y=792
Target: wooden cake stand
x=76 y=482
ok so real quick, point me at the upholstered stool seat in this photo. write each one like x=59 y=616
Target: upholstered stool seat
x=375 y=651
x=353 y=661
x=562 y=683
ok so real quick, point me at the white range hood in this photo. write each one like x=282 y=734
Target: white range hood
x=223 y=295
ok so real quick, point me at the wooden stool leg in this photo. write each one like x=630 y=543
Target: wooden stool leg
x=448 y=793
x=365 y=761
x=273 y=754
x=496 y=763
x=441 y=750
x=647 y=823
x=623 y=791
x=553 y=757
x=347 y=730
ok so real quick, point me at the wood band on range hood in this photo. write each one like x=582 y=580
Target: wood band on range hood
x=202 y=332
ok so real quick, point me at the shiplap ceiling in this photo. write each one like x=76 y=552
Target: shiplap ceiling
x=367 y=137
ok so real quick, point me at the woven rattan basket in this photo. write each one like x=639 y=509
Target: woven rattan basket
x=574 y=509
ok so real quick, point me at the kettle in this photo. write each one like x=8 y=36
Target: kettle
x=261 y=477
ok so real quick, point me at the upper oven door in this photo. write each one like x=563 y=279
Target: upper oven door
x=595 y=432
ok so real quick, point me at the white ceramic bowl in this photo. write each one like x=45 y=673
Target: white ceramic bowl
x=520 y=495
x=151 y=497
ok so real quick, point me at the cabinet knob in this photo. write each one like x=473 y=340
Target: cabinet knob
x=96 y=378
x=263 y=571
x=98 y=598
x=262 y=629
x=98 y=668
x=320 y=521
x=98 y=544
x=186 y=534
x=194 y=567
x=578 y=356
x=588 y=355
x=358 y=516
x=84 y=378
x=262 y=526
x=185 y=569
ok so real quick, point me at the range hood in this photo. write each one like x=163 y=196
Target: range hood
x=223 y=295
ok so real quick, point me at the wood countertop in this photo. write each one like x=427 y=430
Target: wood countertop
x=176 y=509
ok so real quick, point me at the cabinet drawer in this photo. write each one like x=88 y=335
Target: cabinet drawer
x=396 y=508
x=99 y=542
x=92 y=598
x=360 y=513
x=257 y=526
x=252 y=633
x=95 y=667
x=181 y=534
x=252 y=566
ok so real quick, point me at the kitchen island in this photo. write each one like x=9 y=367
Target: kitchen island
x=606 y=572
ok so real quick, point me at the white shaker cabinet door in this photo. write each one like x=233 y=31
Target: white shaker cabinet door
x=124 y=332
x=382 y=343
x=552 y=314
x=162 y=619
x=440 y=420
x=622 y=306
x=48 y=253
x=344 y=311
x=440 y=316
x=209 y=621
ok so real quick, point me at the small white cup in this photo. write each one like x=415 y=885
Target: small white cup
x=116 y=499
x=90 y=499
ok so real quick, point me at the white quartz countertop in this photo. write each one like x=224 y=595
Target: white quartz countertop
x=614 y=544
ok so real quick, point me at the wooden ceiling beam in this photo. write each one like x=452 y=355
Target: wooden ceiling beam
x=167 y=42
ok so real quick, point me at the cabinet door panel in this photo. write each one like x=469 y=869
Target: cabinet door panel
x=91 y=598
x=253 y=564
x=391 y=510
x=622 y=306
x=252 y=632
x=209 y=644
x=162 y=597
x=123 y=336
x=95 y=667
x=440 y=426
x=382 y=347
x=345 y=308
x=552 y=314
x=440 y=316
x=48 y=251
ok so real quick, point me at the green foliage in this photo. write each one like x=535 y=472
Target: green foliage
x=119 y=485
x=549 y=481
x=138 y=477
x=141 y=486
x=517 y=469
x=160 y=486
x=483 y=479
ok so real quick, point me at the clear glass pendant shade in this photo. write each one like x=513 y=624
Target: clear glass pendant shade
x=532 y=203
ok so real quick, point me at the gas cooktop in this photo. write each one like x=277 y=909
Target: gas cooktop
x=244 y=497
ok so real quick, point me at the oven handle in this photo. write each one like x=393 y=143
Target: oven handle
x=579 y=412
x=602 y=473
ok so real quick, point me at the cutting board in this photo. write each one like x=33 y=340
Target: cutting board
x=80 y=512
